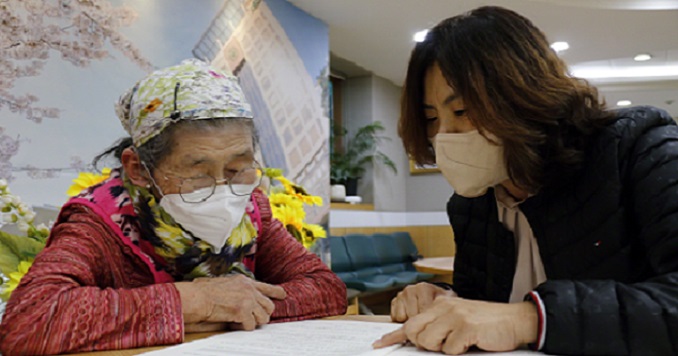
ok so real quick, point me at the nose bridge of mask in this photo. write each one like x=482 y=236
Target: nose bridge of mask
x=222 y=196
x=469 y=149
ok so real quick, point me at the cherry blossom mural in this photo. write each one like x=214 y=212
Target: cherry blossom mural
x=32 y=32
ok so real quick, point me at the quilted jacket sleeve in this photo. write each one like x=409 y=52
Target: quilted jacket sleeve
x=313 y=290
x=640 y=318
x=65 y=303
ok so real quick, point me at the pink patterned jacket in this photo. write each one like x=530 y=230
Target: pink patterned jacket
x=88 y=290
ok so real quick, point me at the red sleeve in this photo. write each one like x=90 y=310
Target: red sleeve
x=81 y=294
x=313 y=290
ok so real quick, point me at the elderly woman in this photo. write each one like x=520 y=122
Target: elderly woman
x=565 y=214
x=178 y=239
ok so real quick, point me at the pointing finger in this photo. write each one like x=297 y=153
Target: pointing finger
x=392 y=338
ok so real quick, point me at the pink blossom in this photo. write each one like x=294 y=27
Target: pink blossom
x=79 y=31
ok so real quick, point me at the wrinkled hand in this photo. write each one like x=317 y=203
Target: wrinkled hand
x=414 y=299
x=234 y=299
x=452 y=325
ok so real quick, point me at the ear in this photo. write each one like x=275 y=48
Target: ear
x=132 y=165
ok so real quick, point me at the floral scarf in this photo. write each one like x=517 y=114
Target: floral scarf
x=169 y=247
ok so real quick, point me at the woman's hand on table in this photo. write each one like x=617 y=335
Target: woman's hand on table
x=235 y=301
x=414 y=299
x=452 y=325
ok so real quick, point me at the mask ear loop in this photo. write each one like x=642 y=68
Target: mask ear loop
x=150 y=176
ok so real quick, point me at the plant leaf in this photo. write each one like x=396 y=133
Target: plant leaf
x=360 y=150
x=16 y=248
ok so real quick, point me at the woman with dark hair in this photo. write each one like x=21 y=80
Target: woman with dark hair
x=565 y=214
x=178 y=239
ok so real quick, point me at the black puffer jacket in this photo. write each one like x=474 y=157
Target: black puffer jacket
x=608 y=239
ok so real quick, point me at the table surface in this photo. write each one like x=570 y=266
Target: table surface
x=435 y=265
x=198 y=336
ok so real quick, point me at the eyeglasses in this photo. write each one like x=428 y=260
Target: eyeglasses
x=200 y=188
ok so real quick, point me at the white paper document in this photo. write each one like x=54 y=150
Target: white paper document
x=301 y=338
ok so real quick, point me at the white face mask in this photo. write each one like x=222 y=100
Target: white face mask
x=469 y=162
x=212 y=220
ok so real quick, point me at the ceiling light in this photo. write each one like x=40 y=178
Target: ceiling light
x=420 y=36
x=605 y=72
x=642 y=57
x=560 y=46
x=624 y=103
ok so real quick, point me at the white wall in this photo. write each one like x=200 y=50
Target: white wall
x=427 y=192
x=372 y=98
x=389 y=188
x=357 y=111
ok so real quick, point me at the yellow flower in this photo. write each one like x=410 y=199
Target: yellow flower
x=291 y=188
x=15 y=278
x=310 y=233
x=278 y=199
x=289 y=216
x=316 y=231
x=86 y=180
x=299 y=192
x=269 y=172
x=287 y=205
x=312 y=200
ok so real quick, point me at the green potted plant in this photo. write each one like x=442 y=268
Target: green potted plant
x=348 y=166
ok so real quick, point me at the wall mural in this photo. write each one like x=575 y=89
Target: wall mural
x=63 y=64
x=33 y=32
x=286 y=83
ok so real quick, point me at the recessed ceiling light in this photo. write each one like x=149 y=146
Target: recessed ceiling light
x=642 y=57
x=420 y=36
x=560 y=46
x=624 y=103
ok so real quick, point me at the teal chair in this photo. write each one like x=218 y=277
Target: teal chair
x=365 y=261
x=372 y=263
x=397 y=252
x=341 y=264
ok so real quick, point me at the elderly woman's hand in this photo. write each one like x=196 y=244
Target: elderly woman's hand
x=234 y=299
x=452 y=325
x=414 y=299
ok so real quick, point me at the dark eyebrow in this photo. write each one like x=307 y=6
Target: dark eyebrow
x=452 y=97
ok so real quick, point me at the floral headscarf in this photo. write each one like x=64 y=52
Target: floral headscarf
x=191 y=90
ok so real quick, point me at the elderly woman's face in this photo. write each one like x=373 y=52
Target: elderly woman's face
x=444 y=109
x=219 y=153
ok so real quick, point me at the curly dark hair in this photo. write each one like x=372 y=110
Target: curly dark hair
x=513 y=86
